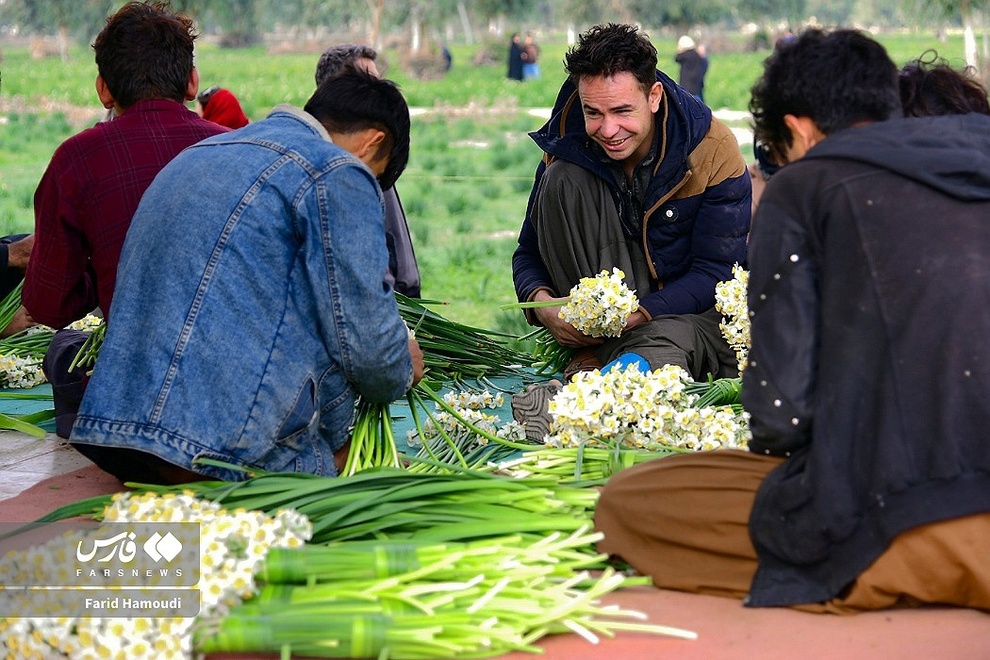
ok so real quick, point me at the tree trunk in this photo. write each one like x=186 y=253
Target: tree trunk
x=465 y=23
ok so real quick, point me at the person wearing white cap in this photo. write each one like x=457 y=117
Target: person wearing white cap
x=694 y=65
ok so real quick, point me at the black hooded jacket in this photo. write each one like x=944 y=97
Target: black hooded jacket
x=870 y=363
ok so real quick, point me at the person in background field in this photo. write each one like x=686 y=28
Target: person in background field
x=222 y=107
x=693 y=61
x=312 y=329
x=530 y=58
x=930 y=86
x=84 y=202
x=403 y=270
x=637 y=175
x=867 y=480
x=515 y=58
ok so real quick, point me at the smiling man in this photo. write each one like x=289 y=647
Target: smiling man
x=637 y=175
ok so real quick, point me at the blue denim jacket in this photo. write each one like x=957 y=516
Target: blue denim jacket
x=251 y=306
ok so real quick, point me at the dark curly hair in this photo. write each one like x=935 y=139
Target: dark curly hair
x=355 y=100
x=930 y=86
x=145 y=51
x=837 y=79
x=606 y=50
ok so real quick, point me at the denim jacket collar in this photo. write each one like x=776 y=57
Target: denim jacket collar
x=304 y=117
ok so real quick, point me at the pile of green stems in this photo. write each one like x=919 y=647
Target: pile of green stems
x=425 y=600
x=391 y=502
x=30 y=343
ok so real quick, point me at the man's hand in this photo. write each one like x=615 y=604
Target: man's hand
x=636 y=318
x=19 y=252
x=417 y=359
x=21 y=321
x=565 y=333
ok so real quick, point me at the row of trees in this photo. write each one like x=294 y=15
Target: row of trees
x=241 y=22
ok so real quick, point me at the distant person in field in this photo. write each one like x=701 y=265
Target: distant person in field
x=222 y=107
x=85 y=200
x=693 y=60
x=403 y=270
x=276 y=316
x=530 y=58
x=515 y=58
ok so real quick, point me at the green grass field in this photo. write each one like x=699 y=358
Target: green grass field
x=471 y=165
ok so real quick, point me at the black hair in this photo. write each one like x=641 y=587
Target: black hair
x=930 y=86
x=145 y=51
x=336 y=59
x=606 y=50
x=837 y=79
x=356 y=100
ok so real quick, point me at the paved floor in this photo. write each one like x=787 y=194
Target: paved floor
x=26 y=460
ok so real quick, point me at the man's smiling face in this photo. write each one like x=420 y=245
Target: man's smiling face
x=618 y=115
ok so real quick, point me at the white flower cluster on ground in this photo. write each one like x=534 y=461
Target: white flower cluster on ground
x=599 y=306
x=650 y=410
x=471 y=406
x=232 y=544
x=730 y=302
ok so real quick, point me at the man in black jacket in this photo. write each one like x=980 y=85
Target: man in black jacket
x=867 y=481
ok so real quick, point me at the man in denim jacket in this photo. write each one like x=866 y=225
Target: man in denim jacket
x=249 y=338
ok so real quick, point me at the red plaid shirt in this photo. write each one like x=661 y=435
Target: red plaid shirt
x=85 y=201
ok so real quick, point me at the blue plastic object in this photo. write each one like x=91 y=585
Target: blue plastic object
x=625 y=361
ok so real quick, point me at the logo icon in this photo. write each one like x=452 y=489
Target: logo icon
x=161 y=547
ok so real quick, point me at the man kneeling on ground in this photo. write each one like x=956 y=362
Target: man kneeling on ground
x=276 y=314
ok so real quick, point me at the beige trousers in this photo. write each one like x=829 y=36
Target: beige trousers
x=683 y=520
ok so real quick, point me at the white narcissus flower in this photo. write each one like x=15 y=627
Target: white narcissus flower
x=232 y=545
x=600 y=306
x=731 y=303
x=649 y=410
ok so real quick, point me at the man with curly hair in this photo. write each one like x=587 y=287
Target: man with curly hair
x=637 y=175
x=867 y=480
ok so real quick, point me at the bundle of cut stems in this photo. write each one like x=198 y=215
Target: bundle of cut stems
x=454 y=352
x=88 y=352
x=28 y=343
x=416 y=600
x=581 y=466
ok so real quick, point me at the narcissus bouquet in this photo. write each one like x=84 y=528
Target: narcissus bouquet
x=730 y=302
x=653 y=410
x=599 y=306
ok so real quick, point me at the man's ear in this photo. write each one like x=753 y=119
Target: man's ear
x=372 y=142
x=804 y=134
x=656 y=93
x=106 y=98
x=192 y=85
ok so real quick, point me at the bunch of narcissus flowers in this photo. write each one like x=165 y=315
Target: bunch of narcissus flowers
x=599 y=306
x=20 y=372
x=730 y=302
x=232 y=546
x=649 y=410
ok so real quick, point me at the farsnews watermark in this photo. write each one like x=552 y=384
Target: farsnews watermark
x=105 y=569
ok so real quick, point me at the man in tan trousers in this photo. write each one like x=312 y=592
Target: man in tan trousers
x=867 y=480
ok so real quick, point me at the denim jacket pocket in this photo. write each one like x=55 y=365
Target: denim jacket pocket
x=302 y=414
